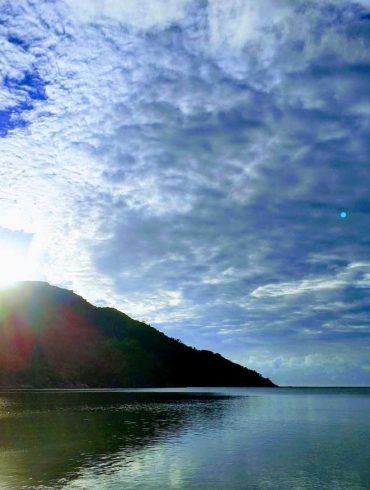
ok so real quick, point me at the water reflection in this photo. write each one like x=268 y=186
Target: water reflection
x=48 y=438
x=227 y=438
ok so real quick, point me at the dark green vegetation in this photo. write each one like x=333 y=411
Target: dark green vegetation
x=50 y=337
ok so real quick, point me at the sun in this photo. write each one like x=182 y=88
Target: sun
x=14 y=264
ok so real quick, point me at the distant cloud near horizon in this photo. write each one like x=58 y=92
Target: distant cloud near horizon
x=187 y=162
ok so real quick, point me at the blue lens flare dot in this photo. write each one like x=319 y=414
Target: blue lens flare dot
x=343 y=214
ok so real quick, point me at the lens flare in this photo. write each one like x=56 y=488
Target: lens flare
x=14 y=264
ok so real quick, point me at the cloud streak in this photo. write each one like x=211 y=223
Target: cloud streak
x=355 y=274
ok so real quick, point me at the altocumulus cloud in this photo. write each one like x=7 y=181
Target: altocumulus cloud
x=187 y=162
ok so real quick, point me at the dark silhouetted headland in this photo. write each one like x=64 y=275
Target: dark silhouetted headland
x=51 y=337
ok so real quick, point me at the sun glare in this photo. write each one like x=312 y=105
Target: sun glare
x=14 y=264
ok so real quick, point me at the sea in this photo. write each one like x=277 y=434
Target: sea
x=186 y=438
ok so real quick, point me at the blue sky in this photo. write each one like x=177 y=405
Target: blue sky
x=188 y=162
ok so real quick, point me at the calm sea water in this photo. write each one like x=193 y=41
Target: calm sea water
x=286 y=438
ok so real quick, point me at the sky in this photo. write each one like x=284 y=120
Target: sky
x=203 y=166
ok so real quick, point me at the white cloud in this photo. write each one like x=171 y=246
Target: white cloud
x=354 y=274
x=296 y=287
x=236 y=23
x=141 y=14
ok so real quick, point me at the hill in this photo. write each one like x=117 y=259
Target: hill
x=51 y=337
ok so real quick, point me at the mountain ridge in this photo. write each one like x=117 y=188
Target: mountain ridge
x=52 y=337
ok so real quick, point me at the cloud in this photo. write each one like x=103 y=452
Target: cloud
x=188 y=163
x=347 y=277
x=283 y=289
x=243 y=22
x=136 y=13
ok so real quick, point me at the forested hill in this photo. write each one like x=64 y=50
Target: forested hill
x=51 y=337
